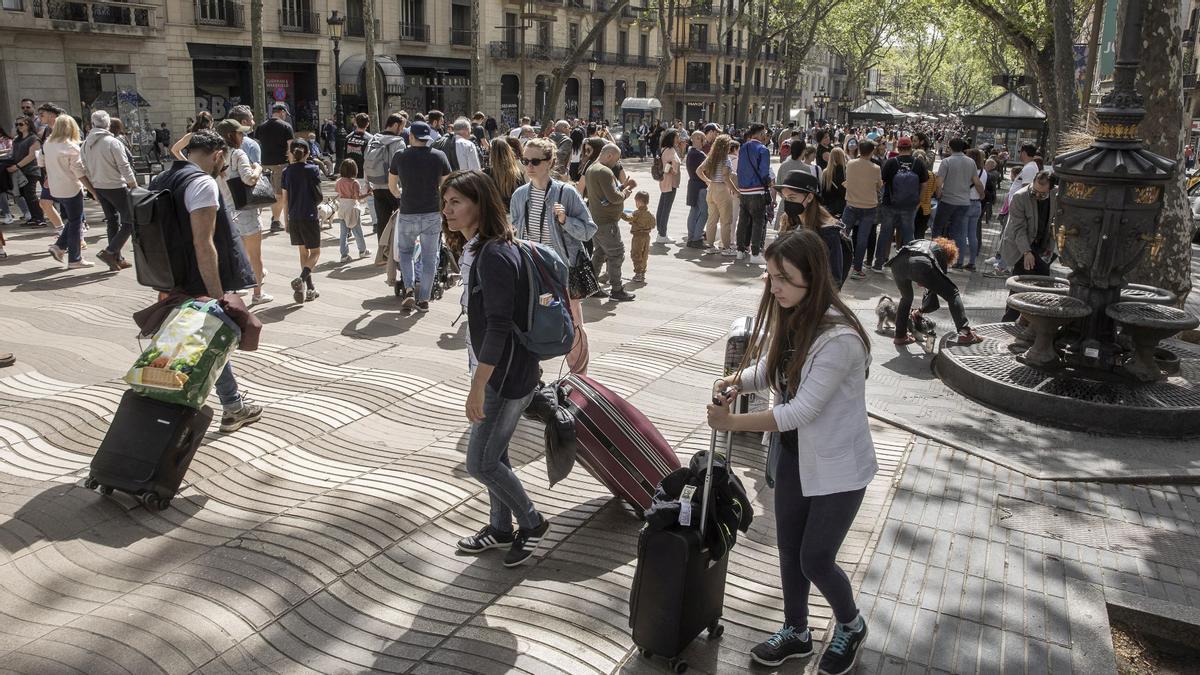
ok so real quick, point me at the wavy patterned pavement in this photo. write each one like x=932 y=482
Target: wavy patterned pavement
x=321 y=539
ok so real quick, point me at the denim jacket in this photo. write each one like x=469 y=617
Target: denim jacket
x=567 y=238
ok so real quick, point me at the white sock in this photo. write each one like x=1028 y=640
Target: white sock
x=855 y=625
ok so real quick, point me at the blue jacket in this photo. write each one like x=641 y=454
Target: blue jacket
x=754 y=168
x=566 y=239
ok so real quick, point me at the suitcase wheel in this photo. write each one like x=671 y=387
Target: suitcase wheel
x=646 y=653
x=91 y=483
x=677 y=665
x=152 y=501
x=105 y=490
x=715 y=630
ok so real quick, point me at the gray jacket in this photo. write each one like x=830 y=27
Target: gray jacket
x=567 y=239
x=1022 y=227
x=106 y=160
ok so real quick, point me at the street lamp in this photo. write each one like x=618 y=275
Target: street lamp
x=822 y=99
x=336 y=23
x=591 y=75
x=844 y=103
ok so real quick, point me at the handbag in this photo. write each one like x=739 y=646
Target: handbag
x=581 y=279
x=261 y=193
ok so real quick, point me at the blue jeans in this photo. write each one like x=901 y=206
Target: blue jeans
x=861 y=221
x=72 y=216
x=893 y=218
x=698 y=216
x=427 y=227
x=227 y=389
x=971 y=230
x=344 y=239
x=950 y=220
x=487 y=461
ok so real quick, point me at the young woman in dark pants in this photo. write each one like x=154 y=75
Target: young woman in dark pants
x=924 y=262
x=811 y=351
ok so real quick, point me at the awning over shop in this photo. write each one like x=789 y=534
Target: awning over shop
x=641 y=104
x=1008 y=110
x=353 y=74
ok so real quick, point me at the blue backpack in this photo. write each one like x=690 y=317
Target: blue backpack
x=906 y=187
x=549 y=329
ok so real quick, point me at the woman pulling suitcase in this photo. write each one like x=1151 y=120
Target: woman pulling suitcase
x=507 y=373
x=814 y=355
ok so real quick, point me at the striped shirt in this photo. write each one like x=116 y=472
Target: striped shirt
x=535 y=228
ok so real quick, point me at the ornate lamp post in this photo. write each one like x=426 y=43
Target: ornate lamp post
x=591 y=84
x=844 y=103
x=336 y=23
x=822 y=100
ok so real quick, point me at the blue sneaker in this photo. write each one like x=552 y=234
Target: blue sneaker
x=842 y=652
x=786 y=643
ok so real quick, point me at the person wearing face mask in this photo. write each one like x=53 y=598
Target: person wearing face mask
x=206 y=254
x=802 y=211
x=1028 y=244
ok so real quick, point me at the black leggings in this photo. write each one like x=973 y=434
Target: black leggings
x=921 y=269
x=663 y=213
x=810 y=531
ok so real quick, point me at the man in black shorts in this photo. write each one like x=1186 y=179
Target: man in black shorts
x=273 y=136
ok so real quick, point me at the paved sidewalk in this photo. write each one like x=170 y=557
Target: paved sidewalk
x=320 y=539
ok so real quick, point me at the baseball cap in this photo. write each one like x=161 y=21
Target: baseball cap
x=420 y=131
x=230 y=125
x=711 y=126
x=279 y=105
x=801 y=181
x=904 y=142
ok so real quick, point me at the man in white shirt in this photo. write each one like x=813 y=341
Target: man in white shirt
x=464 y=146
x=107 y=162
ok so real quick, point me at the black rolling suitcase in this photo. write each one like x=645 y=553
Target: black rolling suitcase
x=678 y=589
x=148 y=449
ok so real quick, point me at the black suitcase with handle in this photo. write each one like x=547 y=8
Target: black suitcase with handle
x=148 y=449
x=678 y=588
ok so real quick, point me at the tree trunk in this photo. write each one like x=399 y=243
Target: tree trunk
x=1089 y=78
x=560 y=75
x=258 y=79
x=1160 y=82
x=476 y=89
x=1063 y=12
x=665 y=25
x=372 y=80
x=1042 y=63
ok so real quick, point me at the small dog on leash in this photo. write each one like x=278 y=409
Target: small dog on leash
x=885 y=311
x=326 y=212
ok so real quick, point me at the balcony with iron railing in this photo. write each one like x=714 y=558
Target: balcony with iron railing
x=296 y=21
x=700 y=9
x=219 y=14
x=692 y=88
x=356 y=27
x=88 y=16
x=1189 y=81
x=462 y=37
x=414 y=32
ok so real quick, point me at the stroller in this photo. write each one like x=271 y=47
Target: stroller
x=444 y=278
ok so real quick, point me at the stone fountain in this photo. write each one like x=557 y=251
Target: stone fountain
x=1093 y=351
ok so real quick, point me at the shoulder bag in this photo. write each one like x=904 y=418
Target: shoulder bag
x=262 y=193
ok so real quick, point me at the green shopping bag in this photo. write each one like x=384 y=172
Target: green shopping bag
x=186 y=355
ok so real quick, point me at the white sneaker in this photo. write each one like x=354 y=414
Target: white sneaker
x=261 y=299
x=8 y=219
x=741 y=255
x=80 y=264
x=56 y=253
x=663 y=240
x=730 y=253
x=346 y=259
x=757 y=260
x=363 y=254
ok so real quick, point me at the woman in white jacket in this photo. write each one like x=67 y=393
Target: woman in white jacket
x=813 y=353
x=65 y=179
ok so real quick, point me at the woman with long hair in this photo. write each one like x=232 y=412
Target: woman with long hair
x=505 y=170
x=23 y=160
x=507 y=375
x=246 y=221
x=812 y=353
x=204 y=120
x=66 y=179
x=833 y=183
x=925 y=206
x=591 y=153
x=802 y=210
x=576 y=149
x=717 y=172
x=975 y=209
x=672 y=146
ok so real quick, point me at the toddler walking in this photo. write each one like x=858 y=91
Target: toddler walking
x=351 y=196
x=641 y=224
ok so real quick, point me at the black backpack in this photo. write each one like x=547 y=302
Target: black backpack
x=446 y=145
x=153 y=214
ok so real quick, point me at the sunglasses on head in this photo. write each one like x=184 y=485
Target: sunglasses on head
x=535 y=161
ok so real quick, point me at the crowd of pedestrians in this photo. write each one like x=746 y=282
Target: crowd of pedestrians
x=456 y=195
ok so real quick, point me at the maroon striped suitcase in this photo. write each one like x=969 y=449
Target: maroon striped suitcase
x=615 y=442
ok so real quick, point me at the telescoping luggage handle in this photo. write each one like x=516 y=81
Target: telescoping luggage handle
x=712 y=451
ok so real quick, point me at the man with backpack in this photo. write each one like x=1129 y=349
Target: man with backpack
x=376 y=162
x=206 y=257
x=903 y=176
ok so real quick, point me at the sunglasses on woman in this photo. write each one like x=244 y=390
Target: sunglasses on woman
x=535 y=161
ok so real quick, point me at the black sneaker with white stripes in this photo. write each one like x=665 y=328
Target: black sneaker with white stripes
x=484 y=539
x=526 y=543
